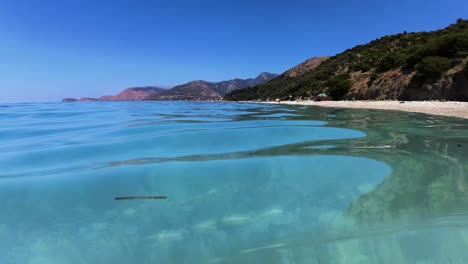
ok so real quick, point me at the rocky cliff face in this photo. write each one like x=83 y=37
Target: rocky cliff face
x=203 y=90
x=396 y=84
x=305 y=67
x=407 y=66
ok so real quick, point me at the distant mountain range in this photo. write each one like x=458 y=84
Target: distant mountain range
x=129 y=94
x=195 y=90
x=133 y=94
x=203 y=90
x=406 y=66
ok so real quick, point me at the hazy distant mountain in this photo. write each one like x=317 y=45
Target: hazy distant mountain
x=203 y=90
x=69 y=100
x=129 y=94
x=195 y=90
x=88 y=99
x=85 y=99
x=133 y=94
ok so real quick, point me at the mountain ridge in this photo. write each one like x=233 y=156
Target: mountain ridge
x=133 y=94
x=128 y=94
x=204 y=90
x=193 y=90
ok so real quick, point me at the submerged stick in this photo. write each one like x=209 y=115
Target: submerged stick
x=140 y=198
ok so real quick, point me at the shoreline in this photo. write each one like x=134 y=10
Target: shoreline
x=449 y=108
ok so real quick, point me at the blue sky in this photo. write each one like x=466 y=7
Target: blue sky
x=51 y=49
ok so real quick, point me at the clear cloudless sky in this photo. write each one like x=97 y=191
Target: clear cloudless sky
x=51 y=49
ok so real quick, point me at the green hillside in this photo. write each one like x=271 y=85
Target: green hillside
x=406 y=66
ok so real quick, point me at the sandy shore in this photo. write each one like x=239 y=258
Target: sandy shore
x=455 y=109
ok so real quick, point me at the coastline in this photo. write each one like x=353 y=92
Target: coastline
x=449 y=108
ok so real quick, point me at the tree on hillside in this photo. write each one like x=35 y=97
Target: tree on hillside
x=339 y=86
x=434 y=66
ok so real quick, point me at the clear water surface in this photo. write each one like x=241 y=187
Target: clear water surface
x=245 y=183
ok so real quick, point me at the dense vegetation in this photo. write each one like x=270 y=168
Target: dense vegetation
x=426 y=55
x=465 y=70
x=339 y=85
x=433 y=66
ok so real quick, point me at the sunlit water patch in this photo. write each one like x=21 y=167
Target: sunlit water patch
x=244 y=184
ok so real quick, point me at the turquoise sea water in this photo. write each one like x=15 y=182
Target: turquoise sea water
x=245 y=183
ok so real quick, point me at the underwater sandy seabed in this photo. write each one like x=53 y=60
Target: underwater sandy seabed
x=245 y=183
